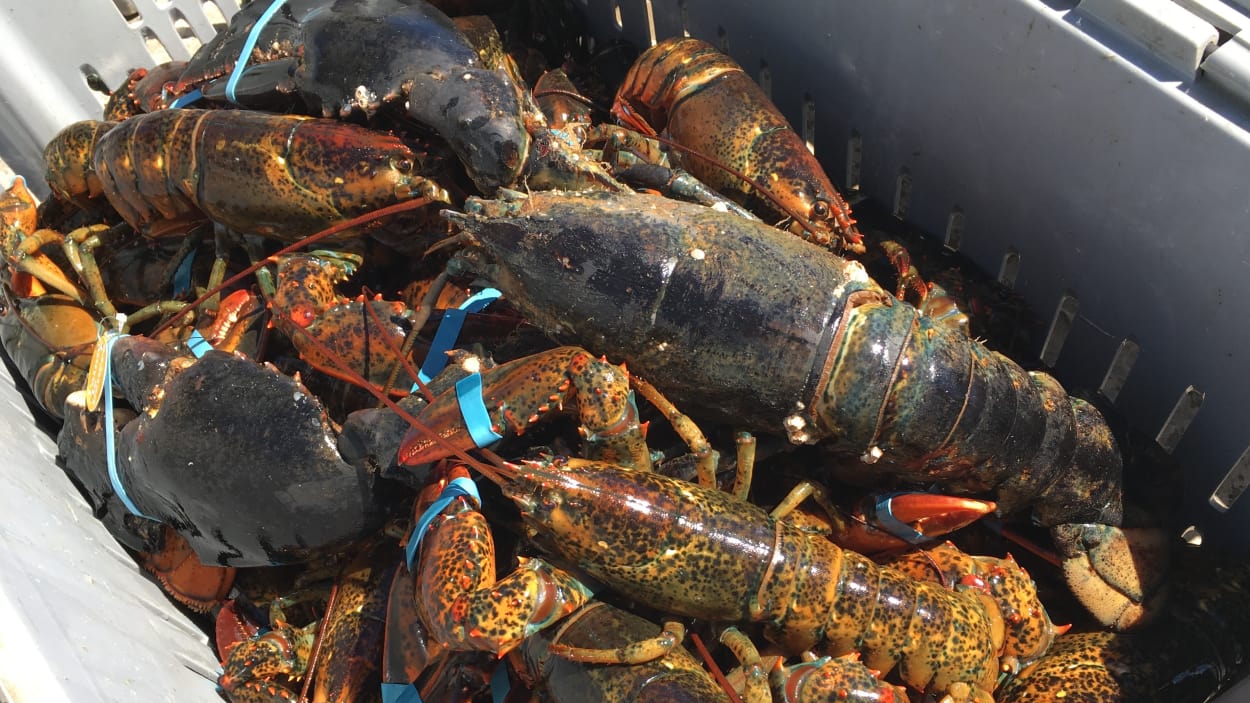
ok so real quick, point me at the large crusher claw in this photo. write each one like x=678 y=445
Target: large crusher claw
x=1116 y=573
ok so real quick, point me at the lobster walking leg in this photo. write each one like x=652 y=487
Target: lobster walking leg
x=520 y=393
x=677 y=676
x=814 y=681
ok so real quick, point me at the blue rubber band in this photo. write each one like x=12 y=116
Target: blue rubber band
x=500 y=684
x=186 y=99
x=198 y=345
x=110 y=449
x=459 y=487
x=473 y=411
x=886 y=521
x=449 y=331
x=400 y=693
x=252 y=37
x=182 y=277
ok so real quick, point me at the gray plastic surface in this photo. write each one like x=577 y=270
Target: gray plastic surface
x=78 y=621
x=1113 y=190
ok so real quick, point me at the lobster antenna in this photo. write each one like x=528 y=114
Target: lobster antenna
x=406 y=416
x=400 y=355
x=717 y=674
x=291 y=248
x=317 y=642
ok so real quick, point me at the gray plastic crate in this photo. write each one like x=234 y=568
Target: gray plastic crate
x=1095 y=154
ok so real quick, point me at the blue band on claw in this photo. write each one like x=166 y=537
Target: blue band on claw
x=110 y=441
x=884 y=517
x=473 y=410
x=198 y=345
x=252 y=37
x=400 y=693
x=186 y=99
x=459 y=487
x=449 y=331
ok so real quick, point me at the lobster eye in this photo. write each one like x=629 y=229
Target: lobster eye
x=820 y=209
x=403 y=165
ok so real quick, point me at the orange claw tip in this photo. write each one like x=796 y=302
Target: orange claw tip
x=1061 y=630
x=933 y=513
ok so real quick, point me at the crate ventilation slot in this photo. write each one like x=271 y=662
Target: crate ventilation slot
x=185 y=31
x=854 y=161
x=1180 y=418
x=1009 y=269
x=1119 y=369
x=1060 y=325
x=902 y=193
x=1233 y=484
x=1167 y=31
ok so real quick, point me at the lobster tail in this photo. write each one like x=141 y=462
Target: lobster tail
x=70 y=172
x=924 y=402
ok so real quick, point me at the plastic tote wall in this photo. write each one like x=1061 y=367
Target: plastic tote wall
x=1095 y=154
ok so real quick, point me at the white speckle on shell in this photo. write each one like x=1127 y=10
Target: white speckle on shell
x=697 y=254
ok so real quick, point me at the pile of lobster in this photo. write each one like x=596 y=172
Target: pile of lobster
x=259 y=433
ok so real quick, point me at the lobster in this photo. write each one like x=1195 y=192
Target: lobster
x=703 y=100
x=809 y=346
x=701 y=553
x=280 y=176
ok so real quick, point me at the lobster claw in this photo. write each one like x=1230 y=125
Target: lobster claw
x=890 y=521
x=1116 y=573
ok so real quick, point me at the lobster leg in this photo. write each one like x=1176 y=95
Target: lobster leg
x=639 y=160
x=521 y=392
x=80 y=246
x=931 y=299
x=462 y=603
x=248 y=672
x=28 y=259
x=639 y=652
x=815 y=679
x=755 y=685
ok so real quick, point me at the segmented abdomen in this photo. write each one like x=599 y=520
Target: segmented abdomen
x=923 y=401
x=70 y=171
x=702 y=553
x=277 y=175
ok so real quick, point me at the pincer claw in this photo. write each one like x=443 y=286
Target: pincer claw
x=889 y=521
x=1116 y=573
